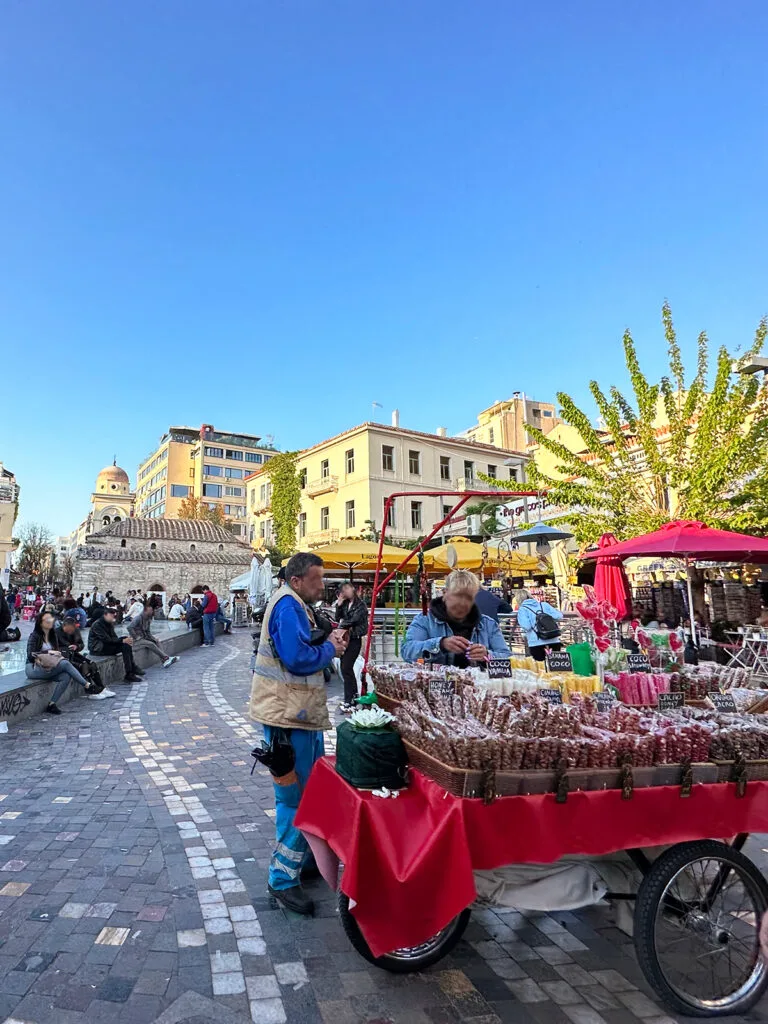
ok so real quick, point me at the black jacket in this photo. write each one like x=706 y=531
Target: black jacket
x=102 y=638
x=35 y=644
x=353 y=615
x=491 y=604
x=64 y=642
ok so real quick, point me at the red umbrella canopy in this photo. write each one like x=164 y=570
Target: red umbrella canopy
x=611 y=583
x=690 y=539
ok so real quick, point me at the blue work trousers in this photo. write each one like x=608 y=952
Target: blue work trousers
x=292 y=850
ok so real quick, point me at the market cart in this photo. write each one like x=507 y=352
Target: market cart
x=408 y=882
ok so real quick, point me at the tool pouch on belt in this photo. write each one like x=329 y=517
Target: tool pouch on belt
x=278 y=756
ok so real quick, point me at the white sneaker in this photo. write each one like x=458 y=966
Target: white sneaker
x=169 y=661
x=108 y=693
x=98 y=696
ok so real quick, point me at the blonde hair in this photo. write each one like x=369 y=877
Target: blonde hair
x=462 y=580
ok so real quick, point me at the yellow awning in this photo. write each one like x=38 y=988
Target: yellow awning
x=362 y=555
x=469 y=555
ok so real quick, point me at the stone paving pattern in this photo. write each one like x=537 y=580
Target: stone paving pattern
x=133 y=854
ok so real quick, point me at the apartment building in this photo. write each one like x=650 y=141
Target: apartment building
x=9 y=497
x=504 y=424
x=346 y=479
x=204 y=463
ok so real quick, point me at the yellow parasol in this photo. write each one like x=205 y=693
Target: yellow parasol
x=469 y=555
x=361 y=555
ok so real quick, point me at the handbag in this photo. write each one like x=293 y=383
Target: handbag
x=48 y=659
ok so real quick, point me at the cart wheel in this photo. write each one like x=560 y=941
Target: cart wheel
x=410 y=958
x=697 y=921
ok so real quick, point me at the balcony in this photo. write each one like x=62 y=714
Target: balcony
x=464 y=483
x=316 y=538
x=324 y=485
x=262 y=505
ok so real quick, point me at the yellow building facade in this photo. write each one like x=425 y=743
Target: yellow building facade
x=346 y=479
x=9 y=496
x=504 y=424
x=208 y=464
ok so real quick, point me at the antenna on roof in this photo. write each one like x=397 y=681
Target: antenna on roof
x=114 y=460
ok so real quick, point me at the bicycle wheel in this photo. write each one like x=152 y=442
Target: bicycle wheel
x=697 y=920
x=410 y=958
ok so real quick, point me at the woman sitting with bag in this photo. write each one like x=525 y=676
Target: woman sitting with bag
x=45 y=660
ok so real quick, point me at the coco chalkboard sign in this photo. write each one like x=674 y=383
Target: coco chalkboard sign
x=553 y=696
x=723 y=701
x=499 y=668
x=638 y=663
x=558 y=661
x=440 y=687
x=667 y=701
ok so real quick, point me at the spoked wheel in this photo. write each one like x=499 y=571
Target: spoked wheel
x=410 y=958
x=697 y=922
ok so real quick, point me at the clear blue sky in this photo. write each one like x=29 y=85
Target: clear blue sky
x=268 y=215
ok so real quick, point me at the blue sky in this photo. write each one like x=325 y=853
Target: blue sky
x=266 y=216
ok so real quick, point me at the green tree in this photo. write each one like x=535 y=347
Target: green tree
x=286 y=499
x=35 y=552
x=628 y=477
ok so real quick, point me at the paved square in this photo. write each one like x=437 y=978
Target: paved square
x=133 y=887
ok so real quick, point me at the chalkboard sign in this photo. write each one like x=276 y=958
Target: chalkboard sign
x=638 y=663
x=604 y=700
x=558 y=661
x=553 y=696
x=440 y=687
x=670 y=700
x=499 y=668
x=723 y=701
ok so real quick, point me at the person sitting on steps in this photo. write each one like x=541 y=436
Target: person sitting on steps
x=102 y=639
x=46 y=662
x=143 y=640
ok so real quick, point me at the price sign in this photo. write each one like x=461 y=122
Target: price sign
x=723 y=701
x=553 y=696
x=638 y=663
x=670 y=700
x=604 y=700
x=441 y=687
x=558 y=661
x=499 y=668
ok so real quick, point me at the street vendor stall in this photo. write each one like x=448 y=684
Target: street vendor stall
x=516 y=780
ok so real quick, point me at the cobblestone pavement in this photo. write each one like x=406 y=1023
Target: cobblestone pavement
x=133 y=855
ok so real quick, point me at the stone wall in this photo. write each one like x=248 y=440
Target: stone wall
x=177 y=577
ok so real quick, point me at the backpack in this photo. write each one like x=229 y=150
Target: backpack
x=545 y=627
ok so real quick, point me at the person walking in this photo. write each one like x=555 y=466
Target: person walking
x=17 y=605
x=102 y=639
x=538 y=620
x=143 y=640
x=288 y=700
x=46 y=662
x=210 y=611
x=351 y=615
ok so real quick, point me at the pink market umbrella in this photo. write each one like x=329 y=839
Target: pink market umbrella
x=611 y=583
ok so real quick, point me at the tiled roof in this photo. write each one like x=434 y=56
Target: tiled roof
x=241 y=556
x=171 y=529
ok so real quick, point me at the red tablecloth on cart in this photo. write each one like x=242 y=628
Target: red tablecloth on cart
x=408 y=862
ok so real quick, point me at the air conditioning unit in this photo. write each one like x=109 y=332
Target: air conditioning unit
x=474 y=525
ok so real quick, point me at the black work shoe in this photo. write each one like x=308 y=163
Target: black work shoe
x=139 y=672
x=133 y=678
x=53 y=709
x=294 y=899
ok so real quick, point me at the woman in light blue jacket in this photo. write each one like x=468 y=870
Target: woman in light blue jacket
x=528 y=610
x=454 y=632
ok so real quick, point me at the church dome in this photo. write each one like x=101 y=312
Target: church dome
x=113 y=480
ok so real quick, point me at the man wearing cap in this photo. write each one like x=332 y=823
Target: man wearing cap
x=102 y=639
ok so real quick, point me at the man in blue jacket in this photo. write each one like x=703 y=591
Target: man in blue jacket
x=454 y=632
x=288 y=698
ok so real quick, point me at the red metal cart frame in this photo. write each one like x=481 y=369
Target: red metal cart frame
x=378 y=585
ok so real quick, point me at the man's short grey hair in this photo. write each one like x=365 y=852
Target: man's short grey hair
x=300 y=564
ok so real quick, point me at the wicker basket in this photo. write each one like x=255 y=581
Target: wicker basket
x=390 y=704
